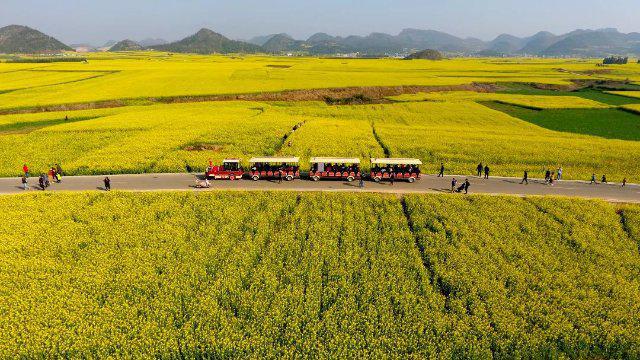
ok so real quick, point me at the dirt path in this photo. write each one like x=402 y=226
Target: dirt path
x=428 y=184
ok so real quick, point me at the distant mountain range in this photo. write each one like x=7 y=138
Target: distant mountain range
x=126 y=45
x=579 y=43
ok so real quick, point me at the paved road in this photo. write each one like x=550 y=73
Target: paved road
x=428 y=184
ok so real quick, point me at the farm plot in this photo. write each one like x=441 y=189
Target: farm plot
x=291 y=275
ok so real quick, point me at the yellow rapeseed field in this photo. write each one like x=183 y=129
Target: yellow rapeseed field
x=158 y=75
x=286 y=275
x=529 y=101
x=165 y=138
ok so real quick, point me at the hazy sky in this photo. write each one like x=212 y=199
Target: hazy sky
x=97 y=21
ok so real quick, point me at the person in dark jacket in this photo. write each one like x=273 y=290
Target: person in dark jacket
x=486 y=172
x=479 y=168
x=441 y=173
x=525 y=178
x=454 y=182
x=107 y=184
x=41 y=182
x=467 y=184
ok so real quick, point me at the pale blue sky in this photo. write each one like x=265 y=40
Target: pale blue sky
x=96 y=21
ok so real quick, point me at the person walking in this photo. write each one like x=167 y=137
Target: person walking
x=454 y=183
x=107 y=184
x=480 y=168
x=280 y=176
x=361 y=184
x=593 y=179
x=525 y=178
x=25 y=170
x=25 y=183
x=547 y=176
x=392 y=178
x=467 y=184
x=59 y=169
x=41 y=182
x=604 y=179
x=559 y=173
x=486 y=172
x=58 y=177
x=624 y=182
x=551 y=179
x=441 y=173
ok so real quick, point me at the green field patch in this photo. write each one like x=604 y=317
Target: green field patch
x=607 y=123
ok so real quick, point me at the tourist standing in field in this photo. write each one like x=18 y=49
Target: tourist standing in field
x=480 y=168
x=441 y=173
x=25 y=183
x=25 y=170
x=525 y=178
x=624 y=182
x=107 y=184
x=454 y=183
x=486 y=172
x=559 y=173
x=593 y=179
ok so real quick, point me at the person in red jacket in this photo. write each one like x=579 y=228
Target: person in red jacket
x=25 y=169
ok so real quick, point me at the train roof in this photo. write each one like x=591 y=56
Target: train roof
x=292 y=159
x=231 y=160
x=395 y=161
x=325 y=160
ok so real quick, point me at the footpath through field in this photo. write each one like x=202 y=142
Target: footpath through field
x=428 y=184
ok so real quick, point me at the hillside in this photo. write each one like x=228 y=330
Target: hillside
x=126 y=45
x=282 y=43
x=18 y=39
x=425 y=55
x=206 y=41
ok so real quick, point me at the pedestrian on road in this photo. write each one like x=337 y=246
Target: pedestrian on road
x=392 y=178
x=624 y=182
x=441 y=174
x=361 y=184
x=547 y=176
x=454 y=183
x=486 y=172
x=107 y=184
x=559 y=173
x=593 y=179
x=467 y=184
x=551 y=179
x=480 y=168
x=604 y=179
x=41 y=182
x=25 y=183
x=59 y=169
x=25 y=170
x=525 y=178
x=58 y=177
x=280 y=176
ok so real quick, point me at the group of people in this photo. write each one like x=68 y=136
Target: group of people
x=463 y=187
x=335 y=168
x=483 y=169
x=396 y=169
x=54 y=174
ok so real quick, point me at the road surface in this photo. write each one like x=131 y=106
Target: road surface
x=428 y=184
